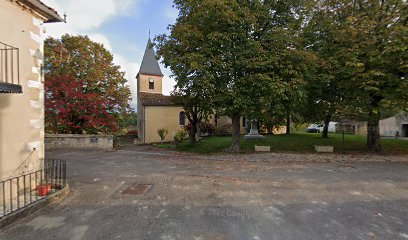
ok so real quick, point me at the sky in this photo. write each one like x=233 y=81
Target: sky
x=122 y=26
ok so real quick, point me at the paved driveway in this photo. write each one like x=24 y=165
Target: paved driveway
x=196 y=197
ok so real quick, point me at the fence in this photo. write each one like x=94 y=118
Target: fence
x=9 y=64
x=22 y=191
x=9 y=69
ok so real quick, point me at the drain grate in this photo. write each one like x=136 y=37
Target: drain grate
x=136 y=189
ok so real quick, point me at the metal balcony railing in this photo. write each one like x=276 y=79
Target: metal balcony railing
x=22 y=191
x=9 y=69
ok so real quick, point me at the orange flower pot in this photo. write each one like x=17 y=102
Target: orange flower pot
x=42 y=190
x=49 y=187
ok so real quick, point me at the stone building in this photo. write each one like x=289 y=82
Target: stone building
x=22 y=85
x=389 y=127
x=393 y=126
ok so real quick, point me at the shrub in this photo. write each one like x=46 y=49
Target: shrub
x=225 y=130
x=180 y=136
x=132 y=132
x=162 y=133
x=122 y=132
x=206 y=129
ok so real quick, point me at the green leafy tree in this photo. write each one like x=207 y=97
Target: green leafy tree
x=328 y=78
x=127 y=119
x=193 y=89
x=375 y=35
x=361 y=47
x=229 y=49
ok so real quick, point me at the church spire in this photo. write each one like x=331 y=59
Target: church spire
x=150 y=65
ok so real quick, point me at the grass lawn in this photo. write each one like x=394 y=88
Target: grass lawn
x=296 y=142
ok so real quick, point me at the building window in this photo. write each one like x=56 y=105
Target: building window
x=182 y=118
x=151 y=83
x=9 y=69
x=244 y=121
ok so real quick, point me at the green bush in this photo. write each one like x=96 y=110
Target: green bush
x=180 y=136
x=206 y=129
x=225 y=130
x=122 y=132
x=162 y=134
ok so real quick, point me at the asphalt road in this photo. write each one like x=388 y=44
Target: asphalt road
x=189 y=197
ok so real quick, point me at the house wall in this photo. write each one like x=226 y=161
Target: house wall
x=157 y=117
x=361 y=128
x=388 y=127
x=22 y=115
x=402 y=124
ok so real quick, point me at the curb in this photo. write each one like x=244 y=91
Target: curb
x=25 y=211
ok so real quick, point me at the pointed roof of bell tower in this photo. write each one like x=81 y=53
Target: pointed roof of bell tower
x=150 y=65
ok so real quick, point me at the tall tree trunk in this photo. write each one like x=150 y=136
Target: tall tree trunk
x=373 y=132
x=288 y=124
x=236 y=133
x=325 y=133
x=192 y=134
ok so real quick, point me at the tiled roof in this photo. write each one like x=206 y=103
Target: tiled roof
x=150 y=65
x=155 y=99
x=42 y=9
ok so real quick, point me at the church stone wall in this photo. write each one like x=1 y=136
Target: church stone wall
x=157 y=117
x=144 y=83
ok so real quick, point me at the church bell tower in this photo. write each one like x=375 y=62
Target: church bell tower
x=149 y=84
x=150 y=76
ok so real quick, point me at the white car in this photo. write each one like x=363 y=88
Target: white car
x=316 y=128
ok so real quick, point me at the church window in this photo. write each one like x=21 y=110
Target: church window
x=182 y=118
x=151 y=83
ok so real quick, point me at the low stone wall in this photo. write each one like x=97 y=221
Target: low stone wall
x=57 y=141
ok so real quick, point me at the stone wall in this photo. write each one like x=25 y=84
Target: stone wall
x=58 y=141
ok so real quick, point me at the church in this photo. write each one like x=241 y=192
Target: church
x=155 y=110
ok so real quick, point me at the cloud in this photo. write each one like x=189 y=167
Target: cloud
x=100 y=38
x=90 y=14
x=131 y=69
x=87 y=16
x=171 y=14
x=168 y=82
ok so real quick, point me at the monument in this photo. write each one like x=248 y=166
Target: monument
x=253 y=132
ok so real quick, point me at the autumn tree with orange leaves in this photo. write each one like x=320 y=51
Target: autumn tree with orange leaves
x=85 y=92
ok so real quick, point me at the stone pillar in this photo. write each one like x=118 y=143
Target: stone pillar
x=254 y=128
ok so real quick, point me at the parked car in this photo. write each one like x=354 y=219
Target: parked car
x=314 y=128
x=318 y=127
